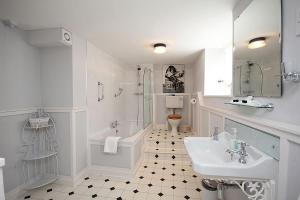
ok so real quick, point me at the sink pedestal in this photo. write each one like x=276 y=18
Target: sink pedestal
x=257 y=190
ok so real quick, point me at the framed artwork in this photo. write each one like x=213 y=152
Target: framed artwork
x=173 y=79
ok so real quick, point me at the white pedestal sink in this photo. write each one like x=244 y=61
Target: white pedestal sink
x=210 y=160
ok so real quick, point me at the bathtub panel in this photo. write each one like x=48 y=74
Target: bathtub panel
x=122 y=159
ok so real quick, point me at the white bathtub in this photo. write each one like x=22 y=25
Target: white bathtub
x=129 y=149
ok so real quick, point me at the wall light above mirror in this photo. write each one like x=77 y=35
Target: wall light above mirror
x=257 y=49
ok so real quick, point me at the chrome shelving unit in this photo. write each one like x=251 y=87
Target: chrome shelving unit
x=40 y=160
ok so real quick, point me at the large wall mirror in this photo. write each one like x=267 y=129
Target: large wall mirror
x=257 y=50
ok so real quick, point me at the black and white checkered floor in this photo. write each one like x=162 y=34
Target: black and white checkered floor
x=165 y=173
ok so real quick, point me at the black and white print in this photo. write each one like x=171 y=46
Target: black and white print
x=173 y=76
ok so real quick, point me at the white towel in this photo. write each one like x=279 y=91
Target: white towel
x=111 y=144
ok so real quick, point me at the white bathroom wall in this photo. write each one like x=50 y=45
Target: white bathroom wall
x=56 y=76
x=19 y=71
x=79 y=53
x=20 y=94
x=102 y=67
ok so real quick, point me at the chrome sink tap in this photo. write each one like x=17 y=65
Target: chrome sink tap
x=243 y=153
x=215 y=134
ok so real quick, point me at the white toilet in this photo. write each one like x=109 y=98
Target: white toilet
x=174 y=102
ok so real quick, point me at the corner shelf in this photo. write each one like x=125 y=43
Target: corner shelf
x=39 y=148
x=41 y=181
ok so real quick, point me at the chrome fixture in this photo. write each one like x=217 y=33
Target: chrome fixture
x=231 y=153
x=215 y=134
x=100 y=88
x=243 y=153
x=290 y=76
x=9 y=23
x=114 y=124
x=119 y=92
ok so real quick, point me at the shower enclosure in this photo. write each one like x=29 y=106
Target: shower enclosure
x=147 y=97
x=144 y=97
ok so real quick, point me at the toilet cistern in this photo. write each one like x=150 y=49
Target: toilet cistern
x=174 y=102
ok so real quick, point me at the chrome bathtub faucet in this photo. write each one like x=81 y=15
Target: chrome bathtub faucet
x=114 y=124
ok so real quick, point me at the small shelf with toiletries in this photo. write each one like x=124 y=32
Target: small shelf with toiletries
x=250 y=102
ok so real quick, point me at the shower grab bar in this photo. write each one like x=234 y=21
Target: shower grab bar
x=119 y=92
x=100 y=87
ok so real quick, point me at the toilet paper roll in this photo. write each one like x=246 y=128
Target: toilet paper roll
x=193 y=101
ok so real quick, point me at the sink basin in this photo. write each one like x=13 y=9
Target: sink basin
x=210 y=159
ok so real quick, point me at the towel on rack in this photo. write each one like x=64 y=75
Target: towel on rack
x=111 y=144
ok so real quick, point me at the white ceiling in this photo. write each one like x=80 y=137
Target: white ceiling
x=127 y=29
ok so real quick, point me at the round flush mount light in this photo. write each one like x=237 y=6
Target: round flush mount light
x=160 y=48
x=257 y=43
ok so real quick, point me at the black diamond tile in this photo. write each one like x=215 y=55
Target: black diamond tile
x=145 y=166
x=198 y=189
x=173 y=157
x=173 y=187
x=27 y=197
x=112 y=188
x=152 y=172
x=135 y=191
x=163 y=168
x=158 y=135
x=173 y=143
x=173 y=149
x=173 y=174
x=141 y=177
x=155 y=163
x=127 y=182
x=106 y=180
x=150 y=185
x=94 y=196
x=186 y=197
x=156 y=149
x=119 y=198
x=90 y=186
x=71 y=193
x=157 y=142
x=180 y=138
x=162 y=179
x=49 y=190
x=173 y=164
x=156 y=156
x=183 y=170
x=160 y=194
x=184 y=181
x=194 y=176
x=86 y=178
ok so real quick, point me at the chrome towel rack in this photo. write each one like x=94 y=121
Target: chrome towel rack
x=100 y=90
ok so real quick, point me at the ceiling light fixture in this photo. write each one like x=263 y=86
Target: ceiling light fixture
x=160 y=48
x=257 y=43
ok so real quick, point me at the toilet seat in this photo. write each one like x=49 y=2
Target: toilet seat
x=174 y=116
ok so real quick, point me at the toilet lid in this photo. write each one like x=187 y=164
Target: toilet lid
x=174 y=116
